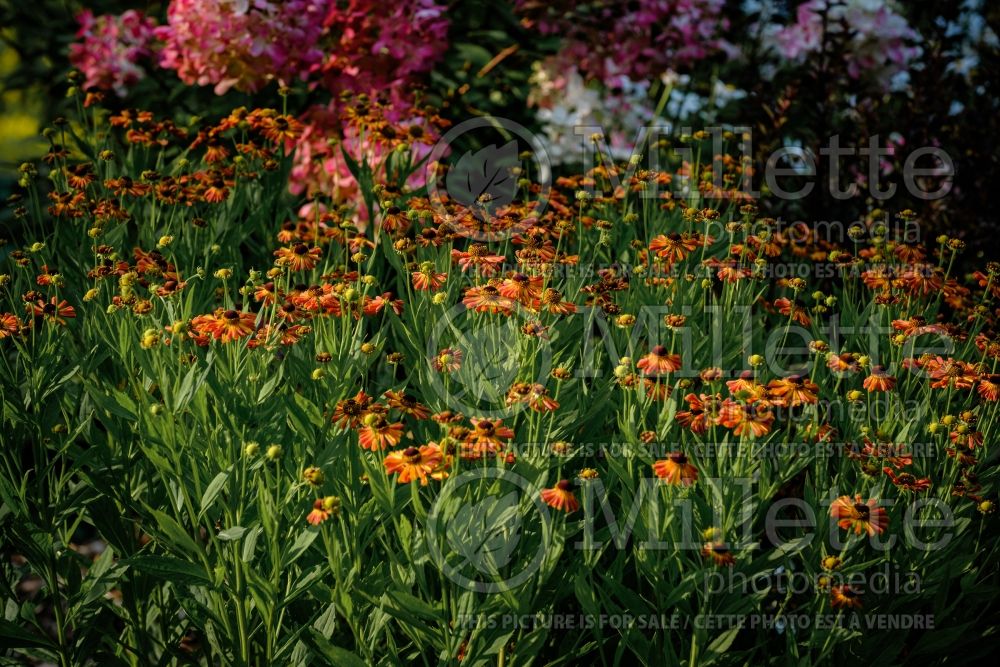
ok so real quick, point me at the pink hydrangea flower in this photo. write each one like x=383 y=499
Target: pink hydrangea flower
x=319 y=167
x=110 y=49
x=380 y=47
x=880 y=43
x=640 y=39
x=243 y=44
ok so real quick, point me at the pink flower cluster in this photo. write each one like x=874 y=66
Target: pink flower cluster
x=110 y=49
x=378 y=47
x=319 y=166
x=880 y=42
x=243 y=44
x=640 y=39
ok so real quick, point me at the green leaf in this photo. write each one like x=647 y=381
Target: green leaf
x=232 y=533
x=334 y=654
x=170 y=569
x=212 y=491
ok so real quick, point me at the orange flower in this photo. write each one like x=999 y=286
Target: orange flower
x=412 y=463
x=350 y=411
x=792 y=391
x=298 y=257
x=427 y=278
x=522 y=288
x=487 y=299
x=53 y=311
x=10 y=325
x=323 y=509
x=477 y=256
x=702 y=412
x=861 y=516
x=552 y=301
x=754 y=419
x=232 y=325
x=675 y=469
x=407 y=404
x=561 y=497
x=844 y=362
x=846 y=596
x=658 y=362
x=906 y=481
x=448 y=360
x=879 y=380
x=718 y=552
x=794 y=310
x=378 y=433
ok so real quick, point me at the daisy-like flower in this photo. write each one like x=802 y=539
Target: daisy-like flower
x=845 y=362
x=702 y=412
x=323 y=509
x=879 y=380
x=561 y=497
x=350 y=411
x=754 y=419
x=487 y=299
x=674 y=247
x=792 y=391
x=659 y=362
x=232 y=325
x=427 y=278
x=861 y=516
x=845 y=597
x=412 y=463
x=477 y=257
x=407 y=404
x=794 y=310
x=375 y=306
x=551 y=300
x=906 y=481
x=718 y=552
x=448 y=360
x=522 y=288
x=486 y=438
x=299 y=257
x=54 y=311
x=10 y=325
x=676 y=469
x=377 y=432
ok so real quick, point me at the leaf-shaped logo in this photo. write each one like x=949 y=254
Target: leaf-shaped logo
x=485 y=176
x=485 y=534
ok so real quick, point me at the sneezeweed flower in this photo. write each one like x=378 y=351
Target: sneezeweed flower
x=793 y=391
x=861 y=516
x=54 y=312
x=251 y=449
x=377 y=432
x=413 y=463
x=10 y=325
x=487 y=299
x=845 y=597
x=718 y=552
x=676 y=470
x=314 y=476
x=323 y=509
x=561 y=497
x=659 y=362
x=427 y=278
x=298 y=257
x=831 y=563
x=231 y=325
x=907 y=481
x=448 y=360
x=273 y=453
